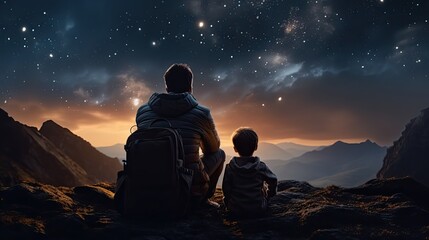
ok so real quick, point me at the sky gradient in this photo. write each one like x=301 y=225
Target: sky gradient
x=307 y=71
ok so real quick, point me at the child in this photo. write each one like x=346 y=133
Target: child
x=248 y=183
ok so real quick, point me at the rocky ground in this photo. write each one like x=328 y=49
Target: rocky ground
x=380 y=209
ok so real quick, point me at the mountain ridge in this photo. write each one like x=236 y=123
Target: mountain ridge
x=28 y=155
x=98 y=166
x=331 y=161
x=409 y=154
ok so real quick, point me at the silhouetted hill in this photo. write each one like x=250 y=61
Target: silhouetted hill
x=27 y=155
x=98 y=166
x=341 y=164
x=296 y=150
x=115 y=151
x=265 y=151
x=409 y=155
x=379 y=209
x=268 y=151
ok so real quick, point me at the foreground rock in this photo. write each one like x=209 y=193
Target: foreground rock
x=409 y=155
x=379 y=209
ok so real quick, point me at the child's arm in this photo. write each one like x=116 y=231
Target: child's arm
x=227 y=183
x=271 y=179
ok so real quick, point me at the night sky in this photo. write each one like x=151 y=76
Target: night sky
x=306 y=71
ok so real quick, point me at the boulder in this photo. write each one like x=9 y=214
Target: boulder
x=379 y=209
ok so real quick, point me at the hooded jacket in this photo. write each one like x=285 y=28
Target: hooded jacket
x=194 y=123
x=243 y=185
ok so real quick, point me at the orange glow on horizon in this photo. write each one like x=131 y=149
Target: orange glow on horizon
x=117 y=132
x=107 y=128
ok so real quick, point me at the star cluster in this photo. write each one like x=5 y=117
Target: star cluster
x=317 y=69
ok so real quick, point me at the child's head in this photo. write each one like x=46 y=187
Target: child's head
x=245 y=141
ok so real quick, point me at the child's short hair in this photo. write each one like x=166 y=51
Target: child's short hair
x=245 y=141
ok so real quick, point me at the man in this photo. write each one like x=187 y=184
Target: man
x=194 y=123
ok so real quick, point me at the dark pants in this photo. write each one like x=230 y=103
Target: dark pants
x=213 y=164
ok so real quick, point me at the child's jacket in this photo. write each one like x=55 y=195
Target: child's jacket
x=243 y=185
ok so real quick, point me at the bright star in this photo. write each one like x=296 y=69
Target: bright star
x=24 y=29
x=136 y=102
x=201 y=24
x=279 y=99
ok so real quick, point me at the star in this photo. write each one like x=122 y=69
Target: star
x=136 y=102
x=24 y=29
x=201 y=24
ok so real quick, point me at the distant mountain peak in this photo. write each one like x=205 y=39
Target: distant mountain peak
x=372 y=144
x=366 y=142
x=50 y=128
x=99 y=166
x=28 y=156
x=339 y=143
x=344 y=164
x=51 y=124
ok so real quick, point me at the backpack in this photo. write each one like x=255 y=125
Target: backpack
x=154 y=183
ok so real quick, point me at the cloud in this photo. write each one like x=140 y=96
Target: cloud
x=81 y=92
x=311 y=55
x=284 y=75
x=87 y=77
x=209 y=9
x=275 y=60
x=134 y=88
x=100 y=126
x=325 y=106
x=69 y=25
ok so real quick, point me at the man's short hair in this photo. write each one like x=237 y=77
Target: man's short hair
x=178 y=78
x=245 y=141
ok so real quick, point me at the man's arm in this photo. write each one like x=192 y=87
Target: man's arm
x=211 y=141
x=141 y=115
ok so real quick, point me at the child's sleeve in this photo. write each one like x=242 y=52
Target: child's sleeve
x=271 y=179
x=227 y=183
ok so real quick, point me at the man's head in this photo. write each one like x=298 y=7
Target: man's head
x=178 y=78
x=245 y=141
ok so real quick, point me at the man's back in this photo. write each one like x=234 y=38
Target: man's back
x=195 y=125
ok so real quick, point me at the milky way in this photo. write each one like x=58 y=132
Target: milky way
x=309 y=70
